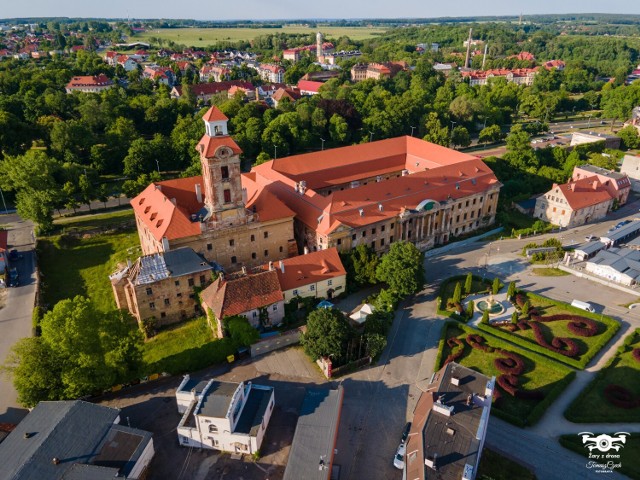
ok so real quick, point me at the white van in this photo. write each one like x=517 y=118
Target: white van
x=583 y=306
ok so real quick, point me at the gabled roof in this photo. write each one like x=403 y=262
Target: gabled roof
x=214 y=115
x=89 y=81
x=309 y=86
x=242 y=294
x=310 y=268
x=584 y=192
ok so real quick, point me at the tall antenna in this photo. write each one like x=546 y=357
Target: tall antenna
x=484 y=58
x=520 y=22
x=466 y=61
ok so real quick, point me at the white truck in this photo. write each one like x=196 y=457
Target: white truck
x=583 y=306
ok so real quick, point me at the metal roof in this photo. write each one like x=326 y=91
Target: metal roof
x=603 y=171
x=254 y=409
x=590 y=247
x=316 y=432
x=71 y=431
x=625 y=231
x=175 y=263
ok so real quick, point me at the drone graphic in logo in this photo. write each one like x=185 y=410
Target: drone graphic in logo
x=604 y=442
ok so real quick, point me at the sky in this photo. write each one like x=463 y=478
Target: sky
x=298 y=9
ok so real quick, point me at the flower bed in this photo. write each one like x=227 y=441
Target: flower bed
x=620 y=397
x=636 y=354
x=455 y=352
x=527 y=383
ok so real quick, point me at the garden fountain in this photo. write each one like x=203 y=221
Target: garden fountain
x=490 y=305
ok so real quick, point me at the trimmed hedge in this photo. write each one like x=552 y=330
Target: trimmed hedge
x=587 y=326
x=506 y=348
x=441 y=300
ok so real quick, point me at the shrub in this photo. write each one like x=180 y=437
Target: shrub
x=496 y=285
x=525 y=308
x=455 y=352
x=636 y=354
x=509 y=383
x=470 y=307
x=514 y=318
x=512 y=363
x=457 y=293
x=485 y=317
x=511 y=290
x=468 y=283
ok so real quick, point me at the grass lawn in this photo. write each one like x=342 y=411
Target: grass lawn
x=624 y=370
x=494 y=466
x=588 y=346
x=540 y=374
x=81 y=265
x=92 y=221
x=202 y=37
x=629 y=457
x=549 y=272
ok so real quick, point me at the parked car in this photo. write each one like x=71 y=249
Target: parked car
x=405 y=432
x=14 y=280
x=623 y=223
x=398 y=459
x=589 y=238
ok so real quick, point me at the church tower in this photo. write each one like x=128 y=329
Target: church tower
x=319 y=42
x=220 y=158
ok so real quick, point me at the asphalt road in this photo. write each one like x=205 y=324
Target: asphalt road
x=15 y=317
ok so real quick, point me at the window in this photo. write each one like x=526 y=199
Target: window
x=410 y=221
x=364 y=234
x=227 y=196
x=373 y=231
x=312 y=287
x=253 y=238
x=554 y=209
x=275 y=307
x=254 y=255
x=163 y=315
x=382 y=242
x=466 y=204
x=409 y=234
x=225 y=172
x=209 y=246
x=489 y=209
x=281 y=249
x=191 y=282
x=177 y=283
x=234 y=259
x=266 y=253
x=179 y=295
x=266 y=234
x=562 y=212
x=167 y=302
x=382 y=228
x=491 y=197
x=457 y=218
x=255 y=314
x=202 y=280
x=391 y=239
x=474 y=201
x=373 y=244
x=152 y=305
x=465 y=216
x=295 y=292
x=460 y=206
x=213 y=429
x=149 y=291
x=339 y=242
x=329 y=282
x=353 y=237
x=391 y=226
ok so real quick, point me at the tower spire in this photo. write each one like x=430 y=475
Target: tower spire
x=466 y=60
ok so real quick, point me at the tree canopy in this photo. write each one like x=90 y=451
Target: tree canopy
x=402 y=268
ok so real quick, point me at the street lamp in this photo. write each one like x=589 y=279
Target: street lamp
x=3 y=202
x=322 y=147
x=412 y=129
x=370 y=136
x=275 y=152
x=589 y=122
x=158 y=165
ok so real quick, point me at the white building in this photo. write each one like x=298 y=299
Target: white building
x=631 y=166
x=226 y=416
x=621 y=265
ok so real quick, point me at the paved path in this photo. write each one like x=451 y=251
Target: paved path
x=290 y=362
x=15 y=317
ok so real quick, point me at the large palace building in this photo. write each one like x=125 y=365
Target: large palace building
x=375 y=193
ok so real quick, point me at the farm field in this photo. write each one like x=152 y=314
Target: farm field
x=201 y=37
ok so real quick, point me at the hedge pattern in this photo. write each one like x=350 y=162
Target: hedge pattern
x=620 y=397
x=636 y=354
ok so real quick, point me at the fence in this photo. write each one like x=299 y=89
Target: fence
x=285 y=339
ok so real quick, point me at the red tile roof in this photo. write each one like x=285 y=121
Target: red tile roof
x=214 y=115
x=89 y=81
x=214 y=87
x=208 y=145
x=500 y=72
x=584 y=192
x=243 y=294
x=310 y=268
x=309 y=86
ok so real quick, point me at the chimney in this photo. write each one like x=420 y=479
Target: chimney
x=596 y=184
x=199 y=192
x=271 y=266
x=174 y=201
x=281 y=266
x=380 y=207
x=306 y=250
x=361 y=212
x=244 y=270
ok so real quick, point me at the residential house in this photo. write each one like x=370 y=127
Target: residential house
x=317 y=274
x=631 y=168
x=126 y=62
x=225 y=416
x=314 y=441
x=308 y=87
x=75 y=440
x=161 y=286
x=287 y=94
x=616 y=183
x=449 y=425
x=205 y=91
x=218 y=73
x=159 y=74
x=89 y=84
x=557 y=64
x=519 y=76
x=270 y=72
x=334 y=58
x=111 y=58
x=574 y=203
x=257 y=297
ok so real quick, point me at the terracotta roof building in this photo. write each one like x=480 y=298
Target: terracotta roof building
x=89 y=84
x=449 y=425
x=245 y=295
x=617 y=184
x=379 y=192
x=520 y=76
x=574 y=203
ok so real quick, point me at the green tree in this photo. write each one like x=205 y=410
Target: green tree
x=495 y=286
x=460 y=137
x=457 y=293
x=386 y=300
x=361 y=264
x=490 y=134
x=240 y=331
x=514 y=317
x=378 y=322
x=511 y=290
x=525 y=308
x=338 y=129
x=328 y=332
x=436 y=133
x=376 y=344
x=402 y=268
x=629 y=136
x=470 y=308
x=468 y=283
x=485 y=317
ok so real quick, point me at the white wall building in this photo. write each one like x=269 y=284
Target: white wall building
x=226 y=416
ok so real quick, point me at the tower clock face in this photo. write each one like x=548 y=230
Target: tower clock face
x=224 y=152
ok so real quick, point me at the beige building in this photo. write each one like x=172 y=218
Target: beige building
x=160 y=286
x=574 y=203
x=212 y=213
x=631 y=168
